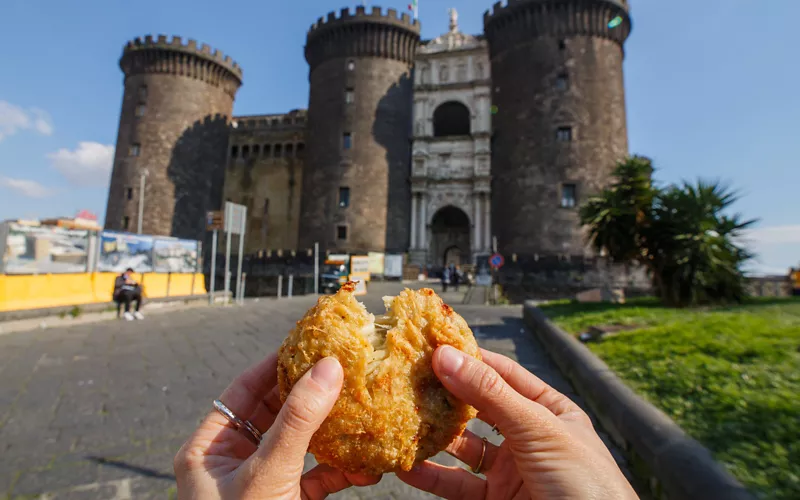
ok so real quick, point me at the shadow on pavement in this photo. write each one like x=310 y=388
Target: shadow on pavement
x=142 y=471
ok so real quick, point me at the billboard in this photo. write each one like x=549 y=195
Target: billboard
x=175 y=256
x=119 y=251
x=375 y=263
x=45 y=250
x=393 y=266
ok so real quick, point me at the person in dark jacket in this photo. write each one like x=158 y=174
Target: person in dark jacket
x=455 y=276
x=126 y=290
x=445 y=278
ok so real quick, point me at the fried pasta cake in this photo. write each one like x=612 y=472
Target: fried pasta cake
x=392 y=412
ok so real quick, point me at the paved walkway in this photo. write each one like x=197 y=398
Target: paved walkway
x=98 y=410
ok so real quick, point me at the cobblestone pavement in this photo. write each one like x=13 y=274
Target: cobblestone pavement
x=98 y=410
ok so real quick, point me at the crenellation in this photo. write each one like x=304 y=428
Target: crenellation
x=165 y=60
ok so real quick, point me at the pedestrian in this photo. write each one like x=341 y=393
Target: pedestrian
x=445 y=278
x=550 y=449
x=127 y=290
x=456 y=276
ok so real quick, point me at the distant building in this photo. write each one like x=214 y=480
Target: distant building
x=425 y=147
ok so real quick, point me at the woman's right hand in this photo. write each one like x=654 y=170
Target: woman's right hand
x=550 y=450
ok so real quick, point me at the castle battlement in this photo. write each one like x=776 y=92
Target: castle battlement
x=363 y=34
x=176 y=44
x=293 y=119
x=508 y=22
x=345 y=16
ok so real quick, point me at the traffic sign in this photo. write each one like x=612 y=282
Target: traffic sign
x=496 y=261
x=214 y=220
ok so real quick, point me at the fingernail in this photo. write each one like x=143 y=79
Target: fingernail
x=326 y=373
x=450 y=360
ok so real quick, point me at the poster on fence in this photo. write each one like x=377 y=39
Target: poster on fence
x=120 y=251
x=375 y=263
x=175 y=256
x=393 y=266
x=45 y=250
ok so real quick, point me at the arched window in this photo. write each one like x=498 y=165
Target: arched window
x=451 y=118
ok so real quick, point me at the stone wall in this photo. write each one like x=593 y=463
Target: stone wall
x=555 y=65
x=370 y=56
x=173 y=124
x=265 y=173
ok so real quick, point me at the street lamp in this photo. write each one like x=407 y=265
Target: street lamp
x=142 y=175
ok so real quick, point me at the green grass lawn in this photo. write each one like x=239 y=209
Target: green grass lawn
x=730 y=377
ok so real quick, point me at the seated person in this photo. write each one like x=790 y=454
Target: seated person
x=127 y=290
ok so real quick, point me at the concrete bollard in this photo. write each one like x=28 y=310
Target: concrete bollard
x=280 y=286
x=291 y=282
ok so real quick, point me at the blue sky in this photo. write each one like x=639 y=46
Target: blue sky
x=711 y=91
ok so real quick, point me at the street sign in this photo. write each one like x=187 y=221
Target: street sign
x=214 y=220
x=496 y=261
x=235 y=216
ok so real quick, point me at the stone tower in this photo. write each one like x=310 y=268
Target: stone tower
x=173 y=129
x=356 y=194
x=559 y=123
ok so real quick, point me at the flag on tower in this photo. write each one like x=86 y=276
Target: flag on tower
x=414 y=8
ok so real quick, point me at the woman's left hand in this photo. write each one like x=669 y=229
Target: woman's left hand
x=218 y=461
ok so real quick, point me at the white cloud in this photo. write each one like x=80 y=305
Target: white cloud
x=31 y=189
x=88 y=165
x=774 y=235
x=14 y=118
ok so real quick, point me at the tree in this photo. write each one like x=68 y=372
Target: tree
x=615 y=219
x=680 y=233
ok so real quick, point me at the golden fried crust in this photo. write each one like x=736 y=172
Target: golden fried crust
x=392 y=414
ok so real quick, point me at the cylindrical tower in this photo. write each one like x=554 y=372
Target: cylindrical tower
x=356 y=193
x=173 y=132
x=559 y=126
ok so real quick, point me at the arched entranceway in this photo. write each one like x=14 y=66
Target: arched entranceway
x=450 y=232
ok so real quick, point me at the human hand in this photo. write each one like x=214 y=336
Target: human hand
x=220 y=462
x=550 y=450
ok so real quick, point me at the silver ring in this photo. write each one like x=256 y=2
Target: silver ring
x=252 y=433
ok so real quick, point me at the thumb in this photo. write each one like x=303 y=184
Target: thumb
x=479 y=385
x=280 y=456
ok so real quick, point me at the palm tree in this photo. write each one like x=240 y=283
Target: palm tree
x=682 y=234
x=616 y=217
x=690 y=245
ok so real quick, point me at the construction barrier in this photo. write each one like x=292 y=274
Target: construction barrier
x=23 y=292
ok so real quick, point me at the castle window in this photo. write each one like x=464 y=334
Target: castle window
x=351 y=65
x=287 y=121
x=129 y=193
x=275 y=122
x=349 y=96
x=341 y=233
x=134 y=150
x=256 y=150
x=140 y=110
x=143 y=93
x=451 y=118
x=344 y=197
x=461 y=73
x=234 y=151
x=126 y=222
x=278 y=151
x=301 y=149
x=568 y=195
x=562 y=44
x=289 y=151
x=245 y=152
x=564 y=134
x=562 y=81
x=267 y=150
x=347 y=141
x=444 y=74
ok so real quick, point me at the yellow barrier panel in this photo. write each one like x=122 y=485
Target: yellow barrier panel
x=22 y=292
x=154 y=286
x=180 y=285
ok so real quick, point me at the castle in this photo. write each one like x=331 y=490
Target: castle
x=427 y=147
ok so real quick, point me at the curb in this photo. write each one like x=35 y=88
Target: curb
x=674 y=465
